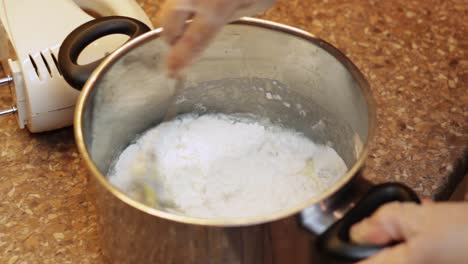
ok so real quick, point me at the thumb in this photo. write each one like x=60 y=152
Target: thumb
x=400 y=254
x=392 y=222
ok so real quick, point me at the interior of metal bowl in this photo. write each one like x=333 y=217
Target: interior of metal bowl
x=253 y=67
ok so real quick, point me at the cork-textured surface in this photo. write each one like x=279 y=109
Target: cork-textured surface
x=412 y=52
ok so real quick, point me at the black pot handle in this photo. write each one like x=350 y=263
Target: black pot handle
x=336 y=243
x=77 y=75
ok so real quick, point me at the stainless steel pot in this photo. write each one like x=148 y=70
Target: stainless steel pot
x=253 y=66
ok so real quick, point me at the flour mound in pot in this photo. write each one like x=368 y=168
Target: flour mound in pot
x=224 y=166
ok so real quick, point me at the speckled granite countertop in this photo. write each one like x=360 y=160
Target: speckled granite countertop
x=414 y=53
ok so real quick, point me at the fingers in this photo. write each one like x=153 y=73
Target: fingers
x=392 y=222
x=174 y=25
x=197 y=36
x=172 y=18
x=190 y=45
x=432 y=233
x=400 y=254
x=188 y=41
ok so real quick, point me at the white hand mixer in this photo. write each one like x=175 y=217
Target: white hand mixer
x=31 y=32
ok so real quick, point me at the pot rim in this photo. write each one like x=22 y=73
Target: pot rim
x=221 y=222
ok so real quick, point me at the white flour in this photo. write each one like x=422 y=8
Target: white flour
x=216 y=166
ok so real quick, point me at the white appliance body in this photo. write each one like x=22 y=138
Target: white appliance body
x=31 y=32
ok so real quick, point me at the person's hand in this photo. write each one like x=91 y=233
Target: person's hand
x=209 y=16
x=432 y=233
